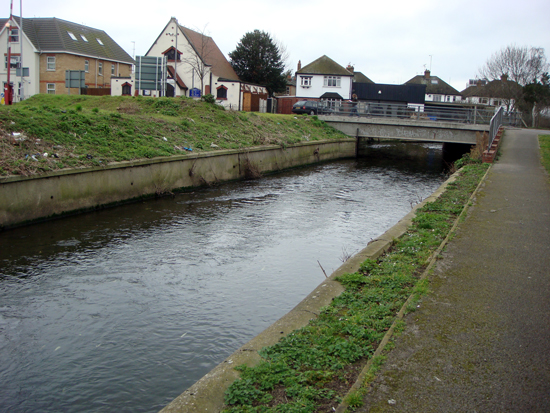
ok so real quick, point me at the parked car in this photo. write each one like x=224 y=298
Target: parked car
x=311 y=107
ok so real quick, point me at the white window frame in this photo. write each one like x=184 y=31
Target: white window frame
x=332 y=81
x=14 y=35
x=50 y=88
x=15 y=61
x=50 y=63
x=100 y=69
x=112 y=70
x=87 y=66
x=305 y=81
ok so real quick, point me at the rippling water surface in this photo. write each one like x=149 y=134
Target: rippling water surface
x=125 y=308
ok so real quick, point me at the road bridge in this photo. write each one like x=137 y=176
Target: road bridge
x=406 y=129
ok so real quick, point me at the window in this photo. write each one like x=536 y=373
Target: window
x=50 y=63
x=72 y=36
x=50 y=88
x=435 y=81
x=305 y=81
x=84 y=38
x=112 y=70
x=332 y=81
x=221 y=93
x=126 y=89
x=100 y=68
x=437 y=98
x=14 y=35
x=86 y=66
x=99 y=41
x=496 y=102
x=171 y=54
x=15 y=61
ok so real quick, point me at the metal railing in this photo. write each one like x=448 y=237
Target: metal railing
x=496 y=123
x=474 y=116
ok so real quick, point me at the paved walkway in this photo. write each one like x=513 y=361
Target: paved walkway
x=480 y=341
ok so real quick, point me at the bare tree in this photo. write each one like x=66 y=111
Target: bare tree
x=523 y=65
x=198 y=51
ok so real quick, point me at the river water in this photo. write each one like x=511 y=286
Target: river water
x=125 y=308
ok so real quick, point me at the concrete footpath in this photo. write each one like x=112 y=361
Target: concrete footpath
x=480 y=340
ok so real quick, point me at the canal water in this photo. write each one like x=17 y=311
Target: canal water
x=125 y=308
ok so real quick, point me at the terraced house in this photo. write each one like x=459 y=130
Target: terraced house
x=47 y=47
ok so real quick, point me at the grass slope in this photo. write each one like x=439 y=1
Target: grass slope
x=49 y=132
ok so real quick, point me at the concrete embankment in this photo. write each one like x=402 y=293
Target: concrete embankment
x=208 y=393
x=28 y=199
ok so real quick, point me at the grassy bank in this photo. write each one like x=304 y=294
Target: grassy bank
x=544 y=142
x=49 y=132
x=311 y=369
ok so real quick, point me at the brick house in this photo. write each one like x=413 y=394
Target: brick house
x=50 y=46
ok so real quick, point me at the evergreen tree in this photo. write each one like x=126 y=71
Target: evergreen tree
x=258 y=59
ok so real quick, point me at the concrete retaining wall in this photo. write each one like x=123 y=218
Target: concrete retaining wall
x=30 y=199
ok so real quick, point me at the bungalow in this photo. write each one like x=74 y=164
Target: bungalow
x=436 y=89
x=45 y=48
x=497 y=93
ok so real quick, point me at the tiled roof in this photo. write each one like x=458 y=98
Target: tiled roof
x=434 y=85
x=496 y=89
x=359 y=77
x=210 y=54
x=52 y=35
x=324 y=66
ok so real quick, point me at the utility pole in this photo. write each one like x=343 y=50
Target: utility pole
x=8 y=90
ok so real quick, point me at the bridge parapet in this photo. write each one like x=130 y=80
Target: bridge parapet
x=406 y=129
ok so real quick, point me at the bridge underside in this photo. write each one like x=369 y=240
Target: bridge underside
x=415 y=130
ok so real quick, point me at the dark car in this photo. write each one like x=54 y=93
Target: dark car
x=311 y=107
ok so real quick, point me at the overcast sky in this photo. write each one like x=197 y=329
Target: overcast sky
x=390 y=41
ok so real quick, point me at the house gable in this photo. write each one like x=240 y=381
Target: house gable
x=321 y=76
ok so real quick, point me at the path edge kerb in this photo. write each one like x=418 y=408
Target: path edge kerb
x=207 y=394
x=342 y=408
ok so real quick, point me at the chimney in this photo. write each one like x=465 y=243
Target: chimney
x=504 y=78
x=478 y=84
x=427 y=74
x=350 y=68
x=299 y=65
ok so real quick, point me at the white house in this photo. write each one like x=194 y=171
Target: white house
x=437 y=90
x=324 y=79
x=196 y=67
x=497 y=93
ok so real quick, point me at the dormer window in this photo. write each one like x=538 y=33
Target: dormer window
x=84 y=38
x=435 y=81
x=72 y=36
x=99 y=41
